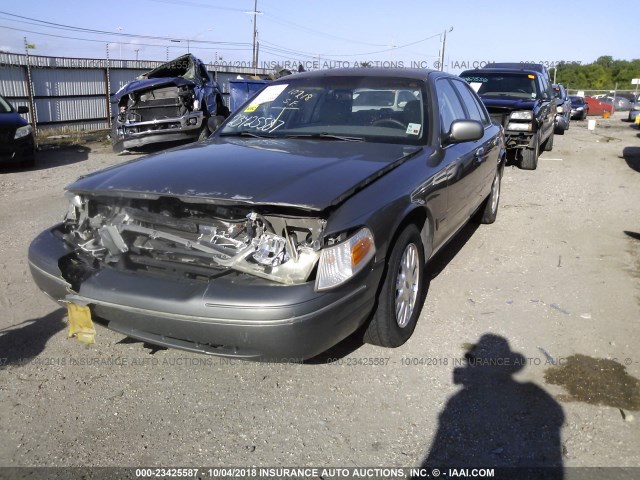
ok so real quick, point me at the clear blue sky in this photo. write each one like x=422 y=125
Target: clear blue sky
x=332 y=30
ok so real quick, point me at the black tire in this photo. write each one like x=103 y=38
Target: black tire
x=489 y=210
x=530 y=155
x=548 y=144
x=388 y=328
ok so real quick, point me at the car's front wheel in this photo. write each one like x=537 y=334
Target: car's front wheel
x=402 y=292
x=530 y=155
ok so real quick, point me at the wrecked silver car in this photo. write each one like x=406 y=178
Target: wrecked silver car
x=173 y=102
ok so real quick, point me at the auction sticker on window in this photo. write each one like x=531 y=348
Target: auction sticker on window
x=413 y=129
x=269 y=94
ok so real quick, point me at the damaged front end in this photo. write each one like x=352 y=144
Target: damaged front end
x=173 y=238
x=170 y=103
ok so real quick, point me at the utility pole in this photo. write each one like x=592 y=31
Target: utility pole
x=108 y=82
x=254 y=60
x=32 y=103
x=137 y=50
x=444 y=41
x=120 y=43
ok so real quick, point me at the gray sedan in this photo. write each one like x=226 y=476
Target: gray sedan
x=302 y=219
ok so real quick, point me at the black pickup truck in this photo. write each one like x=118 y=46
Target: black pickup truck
x=518 y=97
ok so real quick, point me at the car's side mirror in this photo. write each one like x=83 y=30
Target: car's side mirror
x=23 y=109
x=465 y=131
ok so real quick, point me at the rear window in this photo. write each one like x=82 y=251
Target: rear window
x=503 y=84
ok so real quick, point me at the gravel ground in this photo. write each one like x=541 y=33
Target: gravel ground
x=554 y=281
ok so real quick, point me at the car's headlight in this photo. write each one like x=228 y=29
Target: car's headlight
x=523 y=115
x=523 y=127
x=636 y=107
x=579 y=109
x=340 y=262
x=559 y=109
x=23 y=132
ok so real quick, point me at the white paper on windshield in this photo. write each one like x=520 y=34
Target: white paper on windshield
x=413 y=129
x=476 y=86
x=269 y=94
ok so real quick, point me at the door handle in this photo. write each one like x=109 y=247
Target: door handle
x=480 y=154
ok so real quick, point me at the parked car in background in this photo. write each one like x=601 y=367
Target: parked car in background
x=579 y=107
x=301 y=219
x=396 y=100
x=17 y=140
x=597 y=107
x=619 y=103
x=520 y=100
x=173 y=102
x=634 y=111
x=563 y=109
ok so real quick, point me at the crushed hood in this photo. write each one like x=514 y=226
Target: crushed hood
x=309 y=174
x=179 y=71
x=148 y=84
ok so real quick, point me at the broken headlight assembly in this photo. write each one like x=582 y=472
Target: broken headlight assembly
x=176 y=238
x=338 y=263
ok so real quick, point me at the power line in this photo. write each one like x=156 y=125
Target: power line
x=103 y=41
x=267 y=46
x=116 y=34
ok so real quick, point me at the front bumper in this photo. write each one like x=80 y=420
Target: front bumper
x=578 y=113
x=516 y=139
x=19 y=150
x=561 y=122
x=138 y=134
x=236 y=315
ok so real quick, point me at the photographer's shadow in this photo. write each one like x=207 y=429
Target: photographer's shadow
x=495 y=421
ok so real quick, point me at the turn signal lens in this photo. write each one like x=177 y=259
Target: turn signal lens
x=340 y=262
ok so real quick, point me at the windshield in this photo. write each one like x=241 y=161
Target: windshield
x=4 y=106
x=340 y=108
x=499 y=84
x=576 y=100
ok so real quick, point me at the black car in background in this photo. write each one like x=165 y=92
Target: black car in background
x=302 y=218
x=579 y=107
x=520 y=99
x=176 y=101
x=17 y=141
x=563 y=109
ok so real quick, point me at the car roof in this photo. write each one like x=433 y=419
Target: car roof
x=482 y=71
x=536 y=67
x=408 y=73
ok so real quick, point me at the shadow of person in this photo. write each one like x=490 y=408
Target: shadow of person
x=495 y=421
x=22 y=342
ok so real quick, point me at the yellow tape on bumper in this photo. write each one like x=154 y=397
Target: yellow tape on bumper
x=80 y=324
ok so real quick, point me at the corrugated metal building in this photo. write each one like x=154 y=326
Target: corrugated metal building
x=71 y=93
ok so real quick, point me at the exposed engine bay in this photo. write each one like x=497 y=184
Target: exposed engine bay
x=168 y=102
x=167 y=236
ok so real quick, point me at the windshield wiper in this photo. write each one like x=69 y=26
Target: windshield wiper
x=244 y=133
x=326 y=136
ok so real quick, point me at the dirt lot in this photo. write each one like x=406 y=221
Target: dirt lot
x=554 y=281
